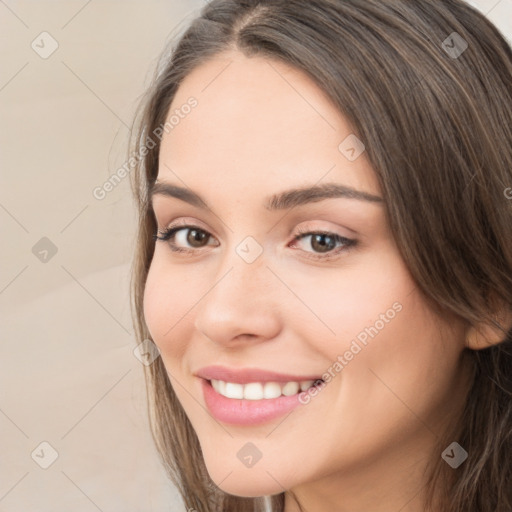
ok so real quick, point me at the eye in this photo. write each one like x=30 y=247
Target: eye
x=324 y=243
x=188 y=234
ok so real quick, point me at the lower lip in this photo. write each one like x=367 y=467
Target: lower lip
x=246 y=412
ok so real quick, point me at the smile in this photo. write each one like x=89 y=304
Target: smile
x=256 y=408
x=259 y=390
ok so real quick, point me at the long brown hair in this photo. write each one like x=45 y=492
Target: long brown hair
x=434 y=110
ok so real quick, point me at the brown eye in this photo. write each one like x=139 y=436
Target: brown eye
x=196 y=237
x=322 y=245
x=321 y=242
x=184 y=238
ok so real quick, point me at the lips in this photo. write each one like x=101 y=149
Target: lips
x=247 y=375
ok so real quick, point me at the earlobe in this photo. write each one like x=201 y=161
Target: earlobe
x=487 y=334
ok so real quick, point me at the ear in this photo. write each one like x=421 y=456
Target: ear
x=490 y=333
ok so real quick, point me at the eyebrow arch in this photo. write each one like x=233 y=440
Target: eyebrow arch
x=282 y=201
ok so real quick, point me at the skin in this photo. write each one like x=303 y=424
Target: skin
x=362 y=443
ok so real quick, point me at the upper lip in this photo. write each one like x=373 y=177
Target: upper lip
x=246 y=375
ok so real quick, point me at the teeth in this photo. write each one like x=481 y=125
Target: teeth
x=259 y=390
x=291 y=388
x=234 y=390
x=304 y=386
x=252 y=391
x=272 y=390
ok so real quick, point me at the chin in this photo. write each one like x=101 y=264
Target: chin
x=247 y=483
x=247 y=489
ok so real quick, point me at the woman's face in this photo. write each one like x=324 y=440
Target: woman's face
x=249 y=293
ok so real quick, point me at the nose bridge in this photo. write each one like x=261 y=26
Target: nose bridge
x=239 y=300
x=242 y=272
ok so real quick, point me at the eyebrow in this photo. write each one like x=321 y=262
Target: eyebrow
x=281 y=201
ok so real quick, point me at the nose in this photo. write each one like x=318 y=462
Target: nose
x=241 y=304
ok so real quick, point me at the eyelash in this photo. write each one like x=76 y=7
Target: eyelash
x=168 y=234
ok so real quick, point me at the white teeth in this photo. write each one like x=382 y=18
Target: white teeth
x=234 y=390
x=252 y=391
x=272 y=390
x=258 y=390
x=305 y=385
x=291 y=388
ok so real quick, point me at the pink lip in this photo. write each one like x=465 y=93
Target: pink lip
x=246 y=375
x=246 y=412
x=242 y=411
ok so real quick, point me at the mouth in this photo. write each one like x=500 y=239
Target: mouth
x=261 y=390
x=254 y=402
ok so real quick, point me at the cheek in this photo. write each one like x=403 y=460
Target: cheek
x=378 y=333
x=168 y=297
x=400 y=369
x=354 y=302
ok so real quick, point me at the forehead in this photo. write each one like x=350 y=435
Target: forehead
x=258 y=121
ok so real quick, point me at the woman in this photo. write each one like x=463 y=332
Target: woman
x=324 y=257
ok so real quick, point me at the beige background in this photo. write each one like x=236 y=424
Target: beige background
x=68 y=375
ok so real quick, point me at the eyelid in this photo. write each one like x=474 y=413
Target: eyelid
x=312 y=226
x=187 y=222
